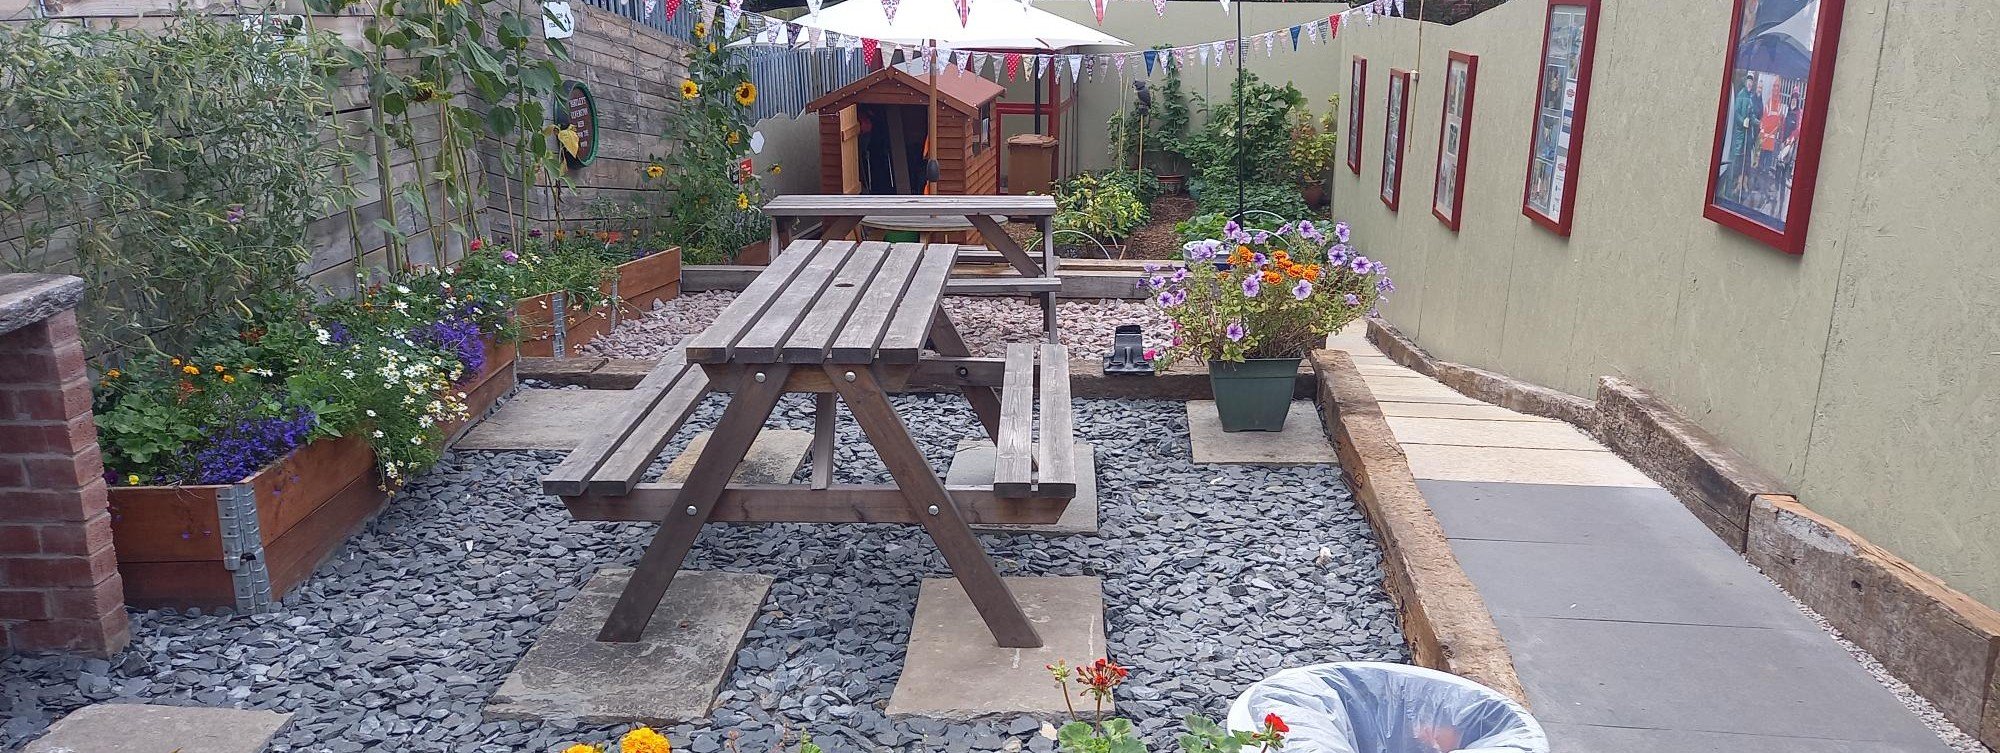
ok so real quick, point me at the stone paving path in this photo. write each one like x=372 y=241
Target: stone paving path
x=1633 y=628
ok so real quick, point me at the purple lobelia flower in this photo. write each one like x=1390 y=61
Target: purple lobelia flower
x=337 y=333
x=1235 y=332
x=1303 y=290
x=461 y=337
x=236 y=451
x=1252 y=286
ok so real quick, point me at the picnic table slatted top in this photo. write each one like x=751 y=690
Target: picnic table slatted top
x=831 y=205
x=832 y=302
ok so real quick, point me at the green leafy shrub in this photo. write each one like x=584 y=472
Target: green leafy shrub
x=176 y=170
x=1313 y=141
x=1282 y=199
x=1105 y=209
x=709 y=206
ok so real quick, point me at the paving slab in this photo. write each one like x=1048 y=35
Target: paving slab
x=1522 y=465
x=972 y=465
x=1552 y=435
x=1693 y=585
x=1566 y=514
x=1415 y=390
x=774 y=458
x=683 y=655
x=954 y=672
x=1303 y=441
x=1750 y=681
x=1479 y=411
x=146 y=728
x=544 y=420
x=1592 y=738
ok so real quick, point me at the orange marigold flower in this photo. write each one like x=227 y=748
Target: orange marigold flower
x=1280 y=256
x=644 y=740
x=1312 y=272
x=190 y=370
x=1270 y=277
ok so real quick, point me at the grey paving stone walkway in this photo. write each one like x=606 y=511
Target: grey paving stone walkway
x=1633 y=628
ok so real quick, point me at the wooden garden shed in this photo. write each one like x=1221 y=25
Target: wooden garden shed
x=872 y=133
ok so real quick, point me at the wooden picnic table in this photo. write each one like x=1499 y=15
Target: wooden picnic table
x=845 y=322
x=841 y=214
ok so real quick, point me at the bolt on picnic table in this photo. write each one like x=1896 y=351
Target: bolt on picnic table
x=843 y=321
x=840 y=215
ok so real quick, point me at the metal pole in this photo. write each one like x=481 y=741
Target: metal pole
x=1239 y=111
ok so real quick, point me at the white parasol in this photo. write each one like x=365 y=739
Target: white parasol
x=992 y=25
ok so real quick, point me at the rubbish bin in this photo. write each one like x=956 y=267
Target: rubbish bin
x=1031 y=163
x=1374 y=707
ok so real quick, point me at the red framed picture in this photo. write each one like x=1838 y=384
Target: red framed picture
x=1555 y=143
x=1394 y=126
x=1771 y=118
x=1461 y=77
x=1357 y=106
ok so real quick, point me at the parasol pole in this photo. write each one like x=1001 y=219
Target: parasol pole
x=931 y=134
x=1239 y=112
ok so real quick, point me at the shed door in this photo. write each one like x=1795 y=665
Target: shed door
x=850 y=151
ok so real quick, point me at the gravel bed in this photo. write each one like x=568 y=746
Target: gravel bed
x=988 y=324
x=1214 y=577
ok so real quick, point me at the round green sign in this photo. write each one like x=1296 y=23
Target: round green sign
x=577 y=111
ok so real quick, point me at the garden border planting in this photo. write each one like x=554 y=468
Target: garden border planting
x=1942 y=643
x=1445 y=621
x=245 y=545
x=632 y=290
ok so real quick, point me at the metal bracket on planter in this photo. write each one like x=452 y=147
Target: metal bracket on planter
x=243 y=547
x=614 y=304
x=558 y=318
x=1128 y=351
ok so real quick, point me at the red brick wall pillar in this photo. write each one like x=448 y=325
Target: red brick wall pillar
x=59 y=585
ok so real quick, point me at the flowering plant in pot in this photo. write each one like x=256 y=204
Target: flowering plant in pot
x=1099 y=734
x=1251 y=303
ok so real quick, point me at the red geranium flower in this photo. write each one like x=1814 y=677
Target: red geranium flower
x=1275 y=723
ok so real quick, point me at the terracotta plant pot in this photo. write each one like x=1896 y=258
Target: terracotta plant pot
x=1172 y=185
x=1253 y=395
x=1314 y=192
x=635 y=285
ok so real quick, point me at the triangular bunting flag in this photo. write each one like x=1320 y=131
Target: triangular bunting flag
x=1097 y=6
x=813 y=6
x=1075 y=67
x=1013 y=65
x=1295 y=37
x=1118 y=62
x=1160 y=7
x=964 y=11
x=1205 y=52
x=651 y=5
x=889 y=9
x=1225 y=7
x=871 y=52
x=707 y=13
x=1333 y=25
x=730 y=16
x=1150 y=56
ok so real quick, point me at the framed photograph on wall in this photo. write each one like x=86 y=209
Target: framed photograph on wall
x=1461 y=76
x=1555 y=143
x=1771 y=118
x=1395 y=121
x=1357 y=106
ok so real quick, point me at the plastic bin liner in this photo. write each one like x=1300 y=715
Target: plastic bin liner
x=1373 y=707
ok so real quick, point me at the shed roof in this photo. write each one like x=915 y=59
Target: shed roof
x=957 y=89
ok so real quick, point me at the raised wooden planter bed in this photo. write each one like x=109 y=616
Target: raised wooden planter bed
x=247 y=544
x=634 y=286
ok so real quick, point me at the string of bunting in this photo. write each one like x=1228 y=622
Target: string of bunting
x=1009 y=66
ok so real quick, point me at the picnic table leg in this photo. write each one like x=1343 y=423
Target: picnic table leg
x=985 y=400
x=933 y=507
x=837 y=228
x=826 y=406
x=1051 y=266
x=739 y=426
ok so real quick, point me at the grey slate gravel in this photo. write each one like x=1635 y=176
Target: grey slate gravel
x=1210 y=583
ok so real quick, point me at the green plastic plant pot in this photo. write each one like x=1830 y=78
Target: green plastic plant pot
x=1253 y=395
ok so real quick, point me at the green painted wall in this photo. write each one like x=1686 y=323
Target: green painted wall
x=1866 y=372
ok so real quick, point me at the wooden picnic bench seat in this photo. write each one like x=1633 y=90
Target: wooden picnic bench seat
x=1028 y=463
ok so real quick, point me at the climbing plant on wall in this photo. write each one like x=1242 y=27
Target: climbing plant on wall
x=708 y=202
x=176 y=170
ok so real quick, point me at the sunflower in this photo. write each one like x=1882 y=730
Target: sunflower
x=711 y=48
x=690 y=89
x=775 y=169
x=700 y=30
x=746 y=94
x=655 y=171
x=742 y=201
x=735 y=138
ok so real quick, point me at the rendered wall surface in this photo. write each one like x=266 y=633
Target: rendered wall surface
x=1865 y=373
